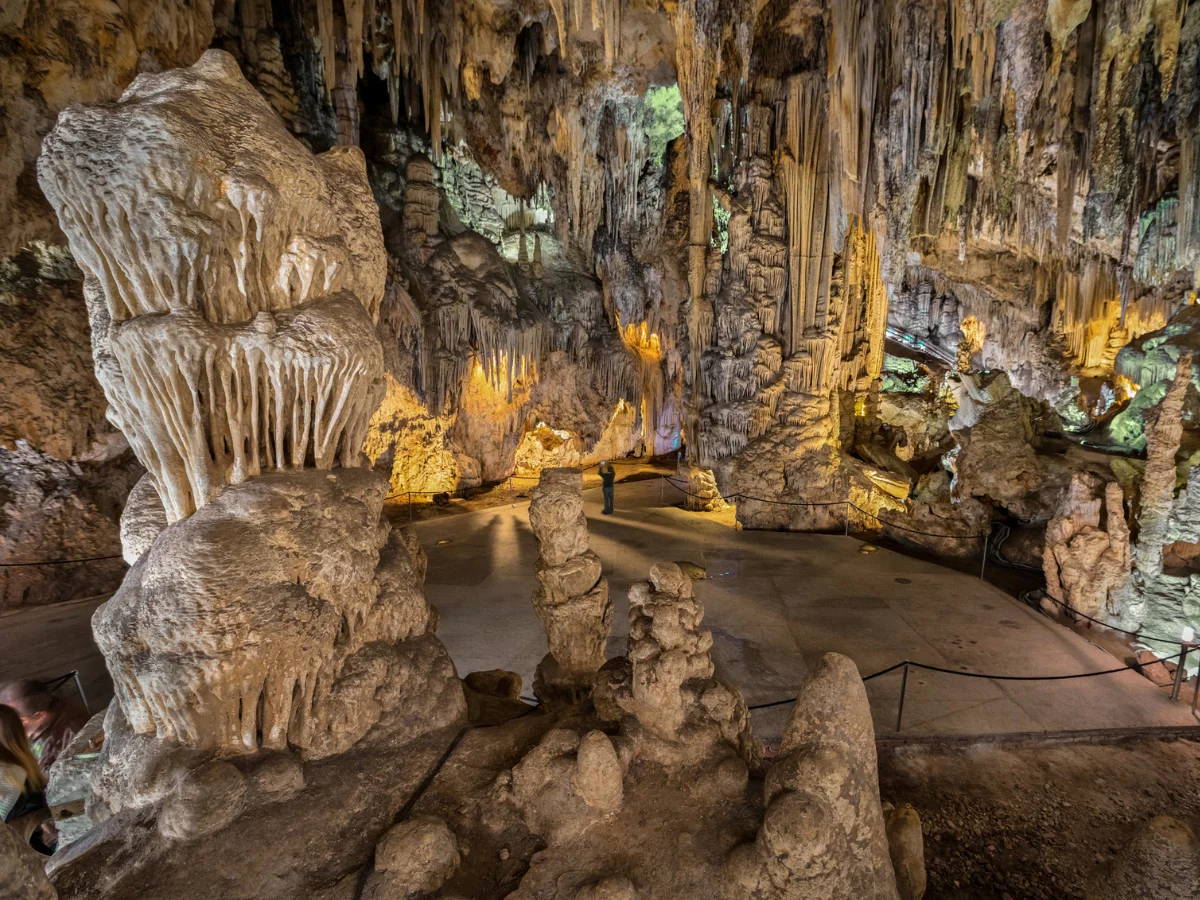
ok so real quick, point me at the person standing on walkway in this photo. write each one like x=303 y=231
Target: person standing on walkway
x=609 y=476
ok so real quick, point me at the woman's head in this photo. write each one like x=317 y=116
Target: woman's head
x=15 y=749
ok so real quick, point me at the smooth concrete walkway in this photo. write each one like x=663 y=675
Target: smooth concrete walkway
x=777 y=602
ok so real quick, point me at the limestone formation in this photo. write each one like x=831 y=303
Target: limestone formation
x=663 y=690
x=413 y=859
x=1087 y=567
x=571 y=598
x=1163 y=433
x=22 y=876
x=233 y=281
x=907 y=848
x=703 y=495
x=142 y=520
x=337 y=591
x=566 y=783
x=265 y=288
x=823 y=834
x=1161 y=860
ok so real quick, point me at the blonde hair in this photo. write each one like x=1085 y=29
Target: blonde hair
x=15 y=749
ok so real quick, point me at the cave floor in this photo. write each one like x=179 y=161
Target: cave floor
x=777 y=602
x=1033 y=822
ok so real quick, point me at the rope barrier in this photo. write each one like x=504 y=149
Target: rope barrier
x=960 y=537
x=58 y=562
x=990 y=677
x=1136 y=634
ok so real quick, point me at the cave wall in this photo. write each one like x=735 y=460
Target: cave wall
x=704 y=211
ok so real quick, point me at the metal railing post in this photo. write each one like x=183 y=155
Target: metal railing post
x=410 y=507
x=87 y=707
x=510 y=492
x=847 y=518
x=903 y=689
x=1195 y=698
x=662 y=487
x=983 y=564
x=1180 y=670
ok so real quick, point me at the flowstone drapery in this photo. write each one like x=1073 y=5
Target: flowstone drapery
x=232 y=279
x=233 y=282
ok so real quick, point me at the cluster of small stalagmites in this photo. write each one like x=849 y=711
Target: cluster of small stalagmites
x=662 y=691
x=571 y=598
x=1087 y=566
x=279 y=614
x=566 y=783
x=824 y=833
x=1161 y=860
x=232 y=279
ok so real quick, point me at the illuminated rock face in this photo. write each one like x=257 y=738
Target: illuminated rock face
x=232 y=278
x=1086 y=566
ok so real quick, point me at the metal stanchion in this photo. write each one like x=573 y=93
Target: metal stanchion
x=903 y=688
x=847 y=517
x=983 y=565
x=1181 y=668
x=662 y=487
x=88 y=708
x=1195 y=698
x=410 y=507
x=510 y=492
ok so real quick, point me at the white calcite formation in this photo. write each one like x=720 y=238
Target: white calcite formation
x=571 y=597
x=300 y=557
x=663 y=691
x=823 y=834
x=233 y=280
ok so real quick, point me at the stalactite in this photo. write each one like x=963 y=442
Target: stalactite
x=853 y=81
x=698 y=62
x=806 y=186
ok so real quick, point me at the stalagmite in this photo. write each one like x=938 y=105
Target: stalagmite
x=823 y=834
x=663 y=691
x=1087 y=567
x=571 y=598
x=1163 y=434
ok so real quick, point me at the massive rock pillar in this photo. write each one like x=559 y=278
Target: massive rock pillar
x=233 y=282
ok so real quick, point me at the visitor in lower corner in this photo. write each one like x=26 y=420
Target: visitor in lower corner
x=609 y=475
x=22 y=783
x=50 y=722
